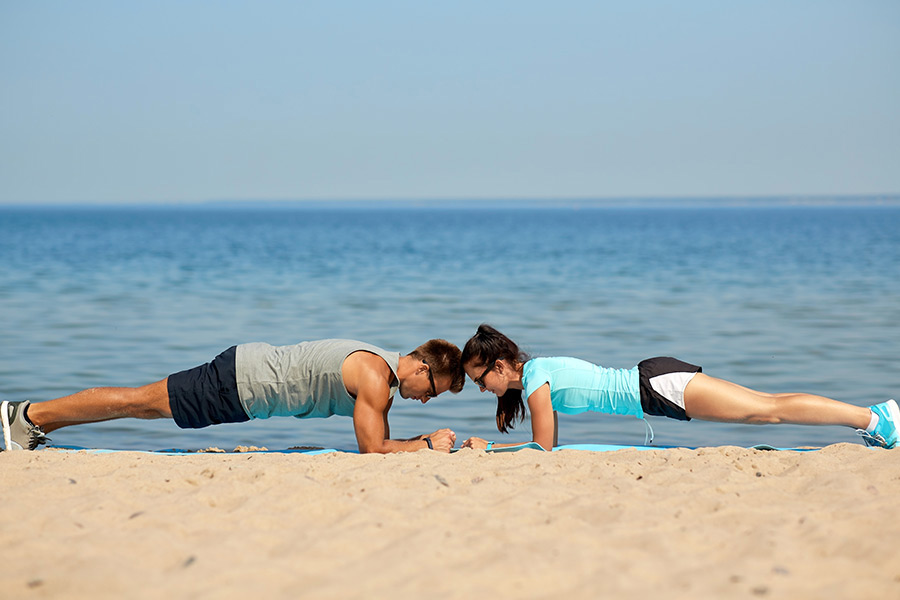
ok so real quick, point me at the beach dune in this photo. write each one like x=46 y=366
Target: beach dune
x=673 y=523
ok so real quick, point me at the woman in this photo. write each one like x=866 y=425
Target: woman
x=657 y=386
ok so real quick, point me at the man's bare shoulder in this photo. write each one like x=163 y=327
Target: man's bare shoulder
x=364 y=370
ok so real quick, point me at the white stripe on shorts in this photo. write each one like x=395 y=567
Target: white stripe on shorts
x=671 y=386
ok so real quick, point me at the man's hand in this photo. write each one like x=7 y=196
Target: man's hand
x=442 y=440
x=475 y=442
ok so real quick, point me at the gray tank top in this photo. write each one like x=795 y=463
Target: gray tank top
x=302 y=381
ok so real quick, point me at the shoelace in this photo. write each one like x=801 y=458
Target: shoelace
x=871 y=439
x=648 y=435
x=36 y=437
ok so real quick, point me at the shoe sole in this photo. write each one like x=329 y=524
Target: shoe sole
x=8 y=444
x=894 y=413
x=4 y=416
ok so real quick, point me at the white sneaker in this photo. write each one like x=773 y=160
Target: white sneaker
x=18 y=432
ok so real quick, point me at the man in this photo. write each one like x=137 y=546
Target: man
x=258 y=381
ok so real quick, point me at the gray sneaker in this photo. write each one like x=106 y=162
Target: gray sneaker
x=18 y=432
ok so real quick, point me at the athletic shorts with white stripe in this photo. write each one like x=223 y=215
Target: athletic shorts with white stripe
x=662 y=383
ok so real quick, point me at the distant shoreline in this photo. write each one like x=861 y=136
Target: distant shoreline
x=859 y=201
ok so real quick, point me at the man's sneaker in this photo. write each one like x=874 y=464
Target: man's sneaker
x=885 y=434
x=18 y=432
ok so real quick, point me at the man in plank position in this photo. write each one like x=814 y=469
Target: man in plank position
x=258 y=381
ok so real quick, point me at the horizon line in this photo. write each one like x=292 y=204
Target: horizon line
x=704 y=201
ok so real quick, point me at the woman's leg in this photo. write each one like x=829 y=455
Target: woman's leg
x=102 y=404
x=712 y=399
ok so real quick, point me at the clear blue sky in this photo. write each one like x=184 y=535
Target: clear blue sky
x=136 y=102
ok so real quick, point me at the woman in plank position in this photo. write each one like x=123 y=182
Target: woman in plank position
x=658 y=386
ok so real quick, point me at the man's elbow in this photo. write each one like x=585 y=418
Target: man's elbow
x=381 y=448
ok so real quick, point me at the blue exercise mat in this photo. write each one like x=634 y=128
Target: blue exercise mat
x=184 y=452
x=315 y=451
x=613 y=447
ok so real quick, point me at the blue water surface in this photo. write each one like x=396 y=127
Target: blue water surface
x=774 y=298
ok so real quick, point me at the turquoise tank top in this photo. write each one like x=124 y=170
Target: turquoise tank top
x=578 y=386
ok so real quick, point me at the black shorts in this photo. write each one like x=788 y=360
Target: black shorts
x=206 y=395
x=652 y=401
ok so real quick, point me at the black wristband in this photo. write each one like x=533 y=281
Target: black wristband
x=428 y=441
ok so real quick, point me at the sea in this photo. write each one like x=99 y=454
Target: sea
x=775 y=296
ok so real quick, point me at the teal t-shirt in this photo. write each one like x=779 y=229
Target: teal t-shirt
x=577 y=386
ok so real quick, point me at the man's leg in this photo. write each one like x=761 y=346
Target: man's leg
x=102 y=404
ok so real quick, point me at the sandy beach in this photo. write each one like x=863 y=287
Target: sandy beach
x=711 y=523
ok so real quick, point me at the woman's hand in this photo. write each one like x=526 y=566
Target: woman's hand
x=475 y=442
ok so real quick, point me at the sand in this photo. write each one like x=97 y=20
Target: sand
x=710 y=523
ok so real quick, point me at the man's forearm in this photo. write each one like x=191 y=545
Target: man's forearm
x=387 y=446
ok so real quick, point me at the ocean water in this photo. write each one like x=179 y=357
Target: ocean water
x=774 y=298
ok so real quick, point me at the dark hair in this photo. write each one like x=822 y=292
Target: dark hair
x=443 y=359
x=486 y=347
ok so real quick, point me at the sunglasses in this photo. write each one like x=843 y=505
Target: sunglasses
x=479 y=381
x=430 y=379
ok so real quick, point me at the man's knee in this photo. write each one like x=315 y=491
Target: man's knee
x=151 y=401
